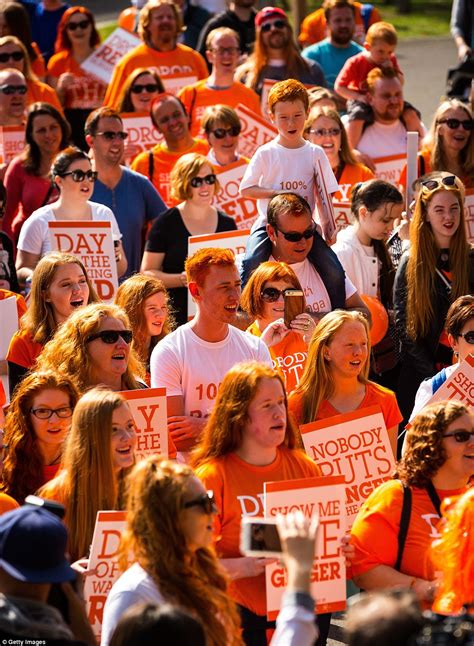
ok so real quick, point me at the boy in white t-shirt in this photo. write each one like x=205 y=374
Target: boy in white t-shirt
x=288 y=163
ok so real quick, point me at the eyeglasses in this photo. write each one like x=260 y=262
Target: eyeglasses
x=278 y=24
x=111 y=336
x=323 y=132
x=110 y=135
x=14 y=56
x=79 y=175
x=221 y=51
x=431 y=184
x=220 y=133
x=147 y=87
x=272 y=294
x=83 y=24
x=206 y=501
x=461 y=437
x=46 y=413
x=453 y=124
x=13 y=89
x=468 y=337
x=296 y=237
x=196 y=182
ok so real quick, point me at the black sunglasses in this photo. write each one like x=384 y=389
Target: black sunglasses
x=110 y=135
x=111 y=336
x=431 y=184
x=278 y=24
x=220 y=133
x=206 y=501
x=461 y=437
x=12 y=89
x=148 y=87
x=79 y=175
x=468 y=337
x=196 y=182
x=296 y=237
x=83 y=24
x=453 y=124
x=14 y=56
x=272 y=294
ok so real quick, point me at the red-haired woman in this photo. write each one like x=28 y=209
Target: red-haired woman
x=78 y=91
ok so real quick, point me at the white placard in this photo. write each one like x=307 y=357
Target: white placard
x=389 y=168
x=102 y=61
x=255 y=132
x=242 y=209
x=12 y=142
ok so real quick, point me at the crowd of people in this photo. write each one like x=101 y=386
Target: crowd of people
x=352 y=294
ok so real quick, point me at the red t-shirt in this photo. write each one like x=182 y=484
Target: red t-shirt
x=354 y=73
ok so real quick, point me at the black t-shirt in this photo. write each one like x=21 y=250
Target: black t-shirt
x=169 y=235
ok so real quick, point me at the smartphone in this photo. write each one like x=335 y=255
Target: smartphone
x=294 y=305
x=259 y=537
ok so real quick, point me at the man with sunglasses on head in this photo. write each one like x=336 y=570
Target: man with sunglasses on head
x=118 y=187
x=13 y=91
x=223 y=53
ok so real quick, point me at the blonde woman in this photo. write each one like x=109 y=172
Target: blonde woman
x=194 y=183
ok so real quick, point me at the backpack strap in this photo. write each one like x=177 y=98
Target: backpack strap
x=438 y=380
x=366 y=14
x=151 y=164
x=404 y=524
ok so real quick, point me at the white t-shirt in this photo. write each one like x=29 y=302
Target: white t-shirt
x=34 y=235
x=133 y=587
x=287 y=169
x=188 y=366
x=382 y=139
x=315 y=292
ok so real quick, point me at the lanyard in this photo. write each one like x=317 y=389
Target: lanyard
x=434 y=497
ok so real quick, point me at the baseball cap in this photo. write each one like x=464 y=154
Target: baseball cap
x=269 y=12
x=33 y=545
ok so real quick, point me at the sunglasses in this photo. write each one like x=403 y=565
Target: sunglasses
x=220 y=133
x=272 y=294
x=46 y=413
x=278 y=24
x=206 y=501
x=431 y=184
x=461 y=437
x=453 y=124
x=110 y=135
x=468 y=337
x=13 y=89
x=196 y=182
x=79 y=175
x=148 y=87
x=296 y=237
x=111 y=336
x=222 y=51
x=83 y=24
x=14 y=56
x=323 y=132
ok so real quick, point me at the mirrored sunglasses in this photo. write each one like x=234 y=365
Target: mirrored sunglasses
x=206 y=502
x=196 y=182
x=83 y=24
x=79 y=175
x=148 y=87
x=453 y=124
x=461 y=437
x=220 y=133
x=111 y=336
x=432 y=184
x=278 y=24
x=272 y=294
x=14 y=56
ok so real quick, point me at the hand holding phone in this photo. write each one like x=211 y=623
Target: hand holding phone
x=294 y=305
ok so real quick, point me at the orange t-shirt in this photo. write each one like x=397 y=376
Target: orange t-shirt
x=87 y=92
x=163 y=163
x=38 y=66
x=23 y=350
x=238 y=490
x=352 y=174
x=288 y=357
x=426 y=154
x=7 y=503
x=314 y=27
x=197 y=97
x=182 y=59
x=39 y=91
x=374 y=533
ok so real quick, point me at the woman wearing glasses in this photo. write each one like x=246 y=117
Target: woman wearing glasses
x=194 y=182
x=169 y=533
x=93 y=347
x=391 y=539
x=139 y=90
x=99 y=451
x=249 y=439
x=437 y=269
x=72 y=174
x=263 y=299
x=36 y=425
x=78 y=91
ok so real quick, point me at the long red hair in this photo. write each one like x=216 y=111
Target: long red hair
x=63 y=42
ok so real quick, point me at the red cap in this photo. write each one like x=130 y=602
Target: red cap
x=269 y=12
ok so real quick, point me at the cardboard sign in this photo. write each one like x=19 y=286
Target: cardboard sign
x=342 y=215
x=174 y=82
x=389 y=168
x=9 y=319
x=255 y=132
x=242 y=209
x=91 y=242
x=12 y=142
x=459 y=386
x=149 y=412
x=233 y=240
x=469 y=215
x=355 y=445
x=324 y=206
x=103 y=560
x=142 y=134
x=324 y=497
x=102 y=61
